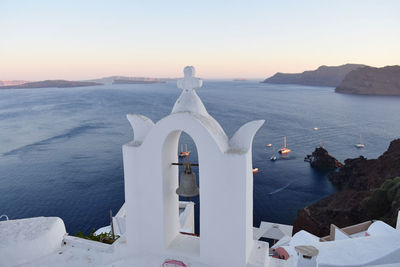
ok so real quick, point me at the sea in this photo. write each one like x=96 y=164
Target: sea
x=60 y=148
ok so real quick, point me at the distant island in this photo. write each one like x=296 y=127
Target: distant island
x=50 y=83
x=21 y=84
x=330 y=76
x=371 y=81
x=129 y=80
x=240 y=80
x=122 y=81
x=11 y=82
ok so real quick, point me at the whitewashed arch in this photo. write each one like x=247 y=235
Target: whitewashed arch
x=226 y=186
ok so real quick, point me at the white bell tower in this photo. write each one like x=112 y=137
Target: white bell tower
x=226 y=188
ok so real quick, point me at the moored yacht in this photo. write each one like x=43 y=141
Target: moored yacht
x=361 y=144
x=183 y=153
x=284 y=149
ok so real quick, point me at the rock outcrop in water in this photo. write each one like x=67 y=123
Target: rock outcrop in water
x=323 y=76
x=321 y=160
x=372 y=81
x=360 y=194
x=50 y=83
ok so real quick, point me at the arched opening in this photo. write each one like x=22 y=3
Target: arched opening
x=181 y=214
x=188 y=147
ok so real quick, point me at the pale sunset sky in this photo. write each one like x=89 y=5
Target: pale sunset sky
x=222 y=39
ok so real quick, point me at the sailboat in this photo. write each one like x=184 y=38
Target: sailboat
x=284 y=149
x=185 y=153
x=361 y=144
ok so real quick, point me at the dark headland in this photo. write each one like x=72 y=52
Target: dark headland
x=50 y=83
x=367 y=189
x=372 y=81
x=330 y=76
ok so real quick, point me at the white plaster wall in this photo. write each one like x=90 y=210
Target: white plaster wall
x=381 y=228
x=169 y=177
x=186 y=219
x=223 y=212
x=362 y=251
x=305 y=262
x=398 y=221
x=25 y=240
x=340 y=235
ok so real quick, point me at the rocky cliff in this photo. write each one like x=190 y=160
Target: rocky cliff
x=323 y=76
x=372 y=81
x=360 y=193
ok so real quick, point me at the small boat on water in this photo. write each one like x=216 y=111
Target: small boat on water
x=255 y=170
x=269 y=145
x=315 y=128
x=284 y=149
x=183 y=153
x=273 y=157
x=361 y=144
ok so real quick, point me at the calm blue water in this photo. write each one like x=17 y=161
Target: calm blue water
x=60 y=149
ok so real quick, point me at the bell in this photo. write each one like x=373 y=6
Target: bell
x=187 y=185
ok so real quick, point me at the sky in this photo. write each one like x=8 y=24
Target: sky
x=78 y=40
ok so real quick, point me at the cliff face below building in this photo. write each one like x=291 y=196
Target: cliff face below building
x=367 y=190
x=372 y=81
x=323 y=76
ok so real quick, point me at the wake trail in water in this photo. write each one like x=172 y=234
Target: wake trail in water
x=281 y=188
x=68 y=134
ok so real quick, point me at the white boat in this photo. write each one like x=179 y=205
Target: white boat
x=185 y=153
x=284 y=149
x=273 y=157
x=361 y=144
